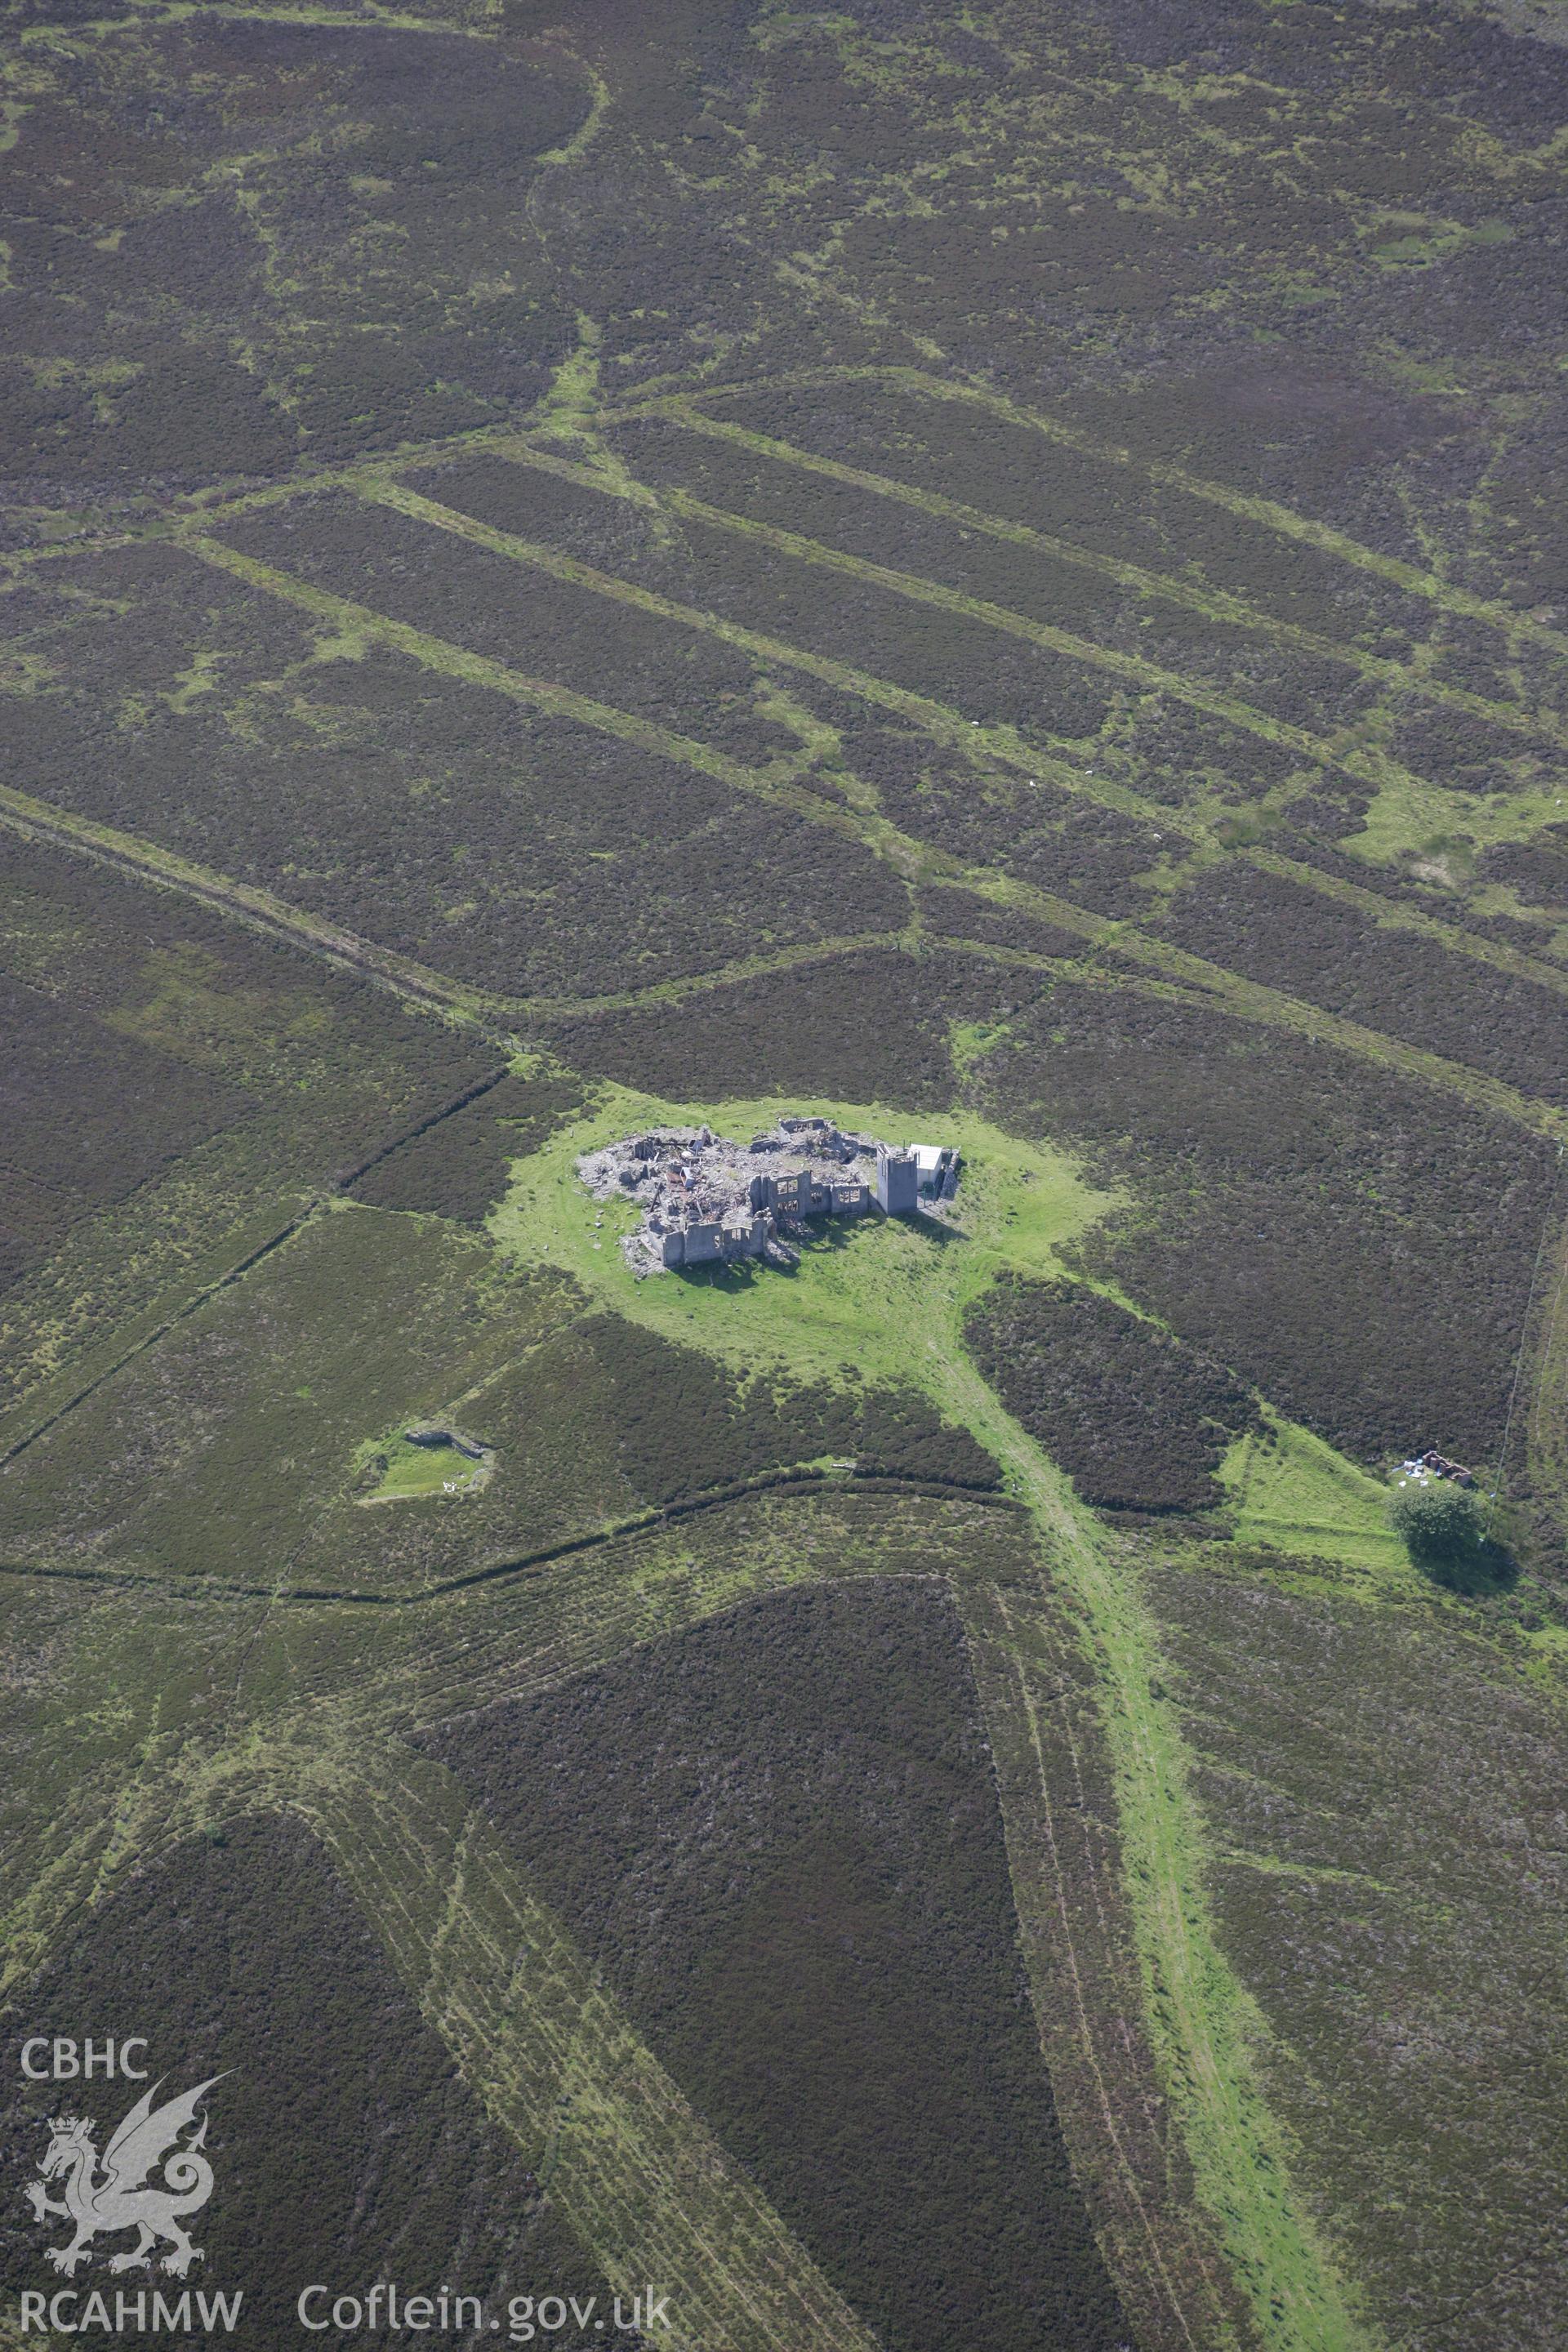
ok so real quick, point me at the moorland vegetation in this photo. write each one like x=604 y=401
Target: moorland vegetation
x=567 y=565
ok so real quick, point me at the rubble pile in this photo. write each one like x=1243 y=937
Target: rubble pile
x=707 y=1199
x=1421 y=1468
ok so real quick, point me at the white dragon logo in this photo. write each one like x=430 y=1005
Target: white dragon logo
x=118 y=2198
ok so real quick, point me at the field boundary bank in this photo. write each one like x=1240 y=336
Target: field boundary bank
x=1213 y=601
x=1270 y=512
x=314 y=1201
x=346 y=1176
x=800 y=1484
x=914 y=860
x=911 y=858
x=998 y=746
x=190 y=1306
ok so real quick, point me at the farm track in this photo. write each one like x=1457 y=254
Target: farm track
x=1201 y=2020
x=1369 y=766
x=536 y=2037
x=420 y=986
x=998 y=746
x=616 y=2146
x=1168 y=2278
x=498 y=1018
x=223 y=500
x=260 y=910
x=377 y=482
x=913 y=859
x=617 y=1532
x=508 y=1638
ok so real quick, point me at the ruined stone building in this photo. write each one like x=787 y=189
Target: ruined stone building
x=707 y=1200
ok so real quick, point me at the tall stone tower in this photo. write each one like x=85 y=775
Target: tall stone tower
x=898 y=1182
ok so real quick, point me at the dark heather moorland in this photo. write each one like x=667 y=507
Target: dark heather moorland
x=995 y=574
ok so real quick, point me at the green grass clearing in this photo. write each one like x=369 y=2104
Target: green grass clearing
x=409 y=1471
x=1294 y=1493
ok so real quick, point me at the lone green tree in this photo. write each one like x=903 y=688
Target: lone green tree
x=1445 y=1529
x=1440 y=1523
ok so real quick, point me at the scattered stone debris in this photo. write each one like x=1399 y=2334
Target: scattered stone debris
x=1422 y=1468
x=707 y=1200
x=440 y=1432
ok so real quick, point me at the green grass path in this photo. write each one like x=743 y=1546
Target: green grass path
x=618 y=2148
x=889 y=1299
x=914 y=860
x=1202 y=2021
